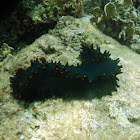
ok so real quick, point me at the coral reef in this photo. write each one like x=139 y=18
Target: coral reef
x=101 y=114
x=118 y=19
x=49 y=11
x=89 y=5
x=5 y=54
x=5 y=50
x=114 y=116
x=137 y=4
x=33 y=18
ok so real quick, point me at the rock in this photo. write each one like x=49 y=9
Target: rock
x=112 y=116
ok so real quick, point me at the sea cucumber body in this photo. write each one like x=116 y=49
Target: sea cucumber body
x=46 y=79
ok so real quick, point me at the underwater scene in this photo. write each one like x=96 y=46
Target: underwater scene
x=70 y=70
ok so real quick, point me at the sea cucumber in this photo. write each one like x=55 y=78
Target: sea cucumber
x=43 y=79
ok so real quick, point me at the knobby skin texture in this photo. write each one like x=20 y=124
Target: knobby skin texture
x=43 y=79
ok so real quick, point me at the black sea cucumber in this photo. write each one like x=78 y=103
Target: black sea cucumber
x=43 y=79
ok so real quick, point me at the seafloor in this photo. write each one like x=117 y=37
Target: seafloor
x=111 y=117
x=114 y=117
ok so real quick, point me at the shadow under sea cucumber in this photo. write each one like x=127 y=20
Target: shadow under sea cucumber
x=43 y=79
